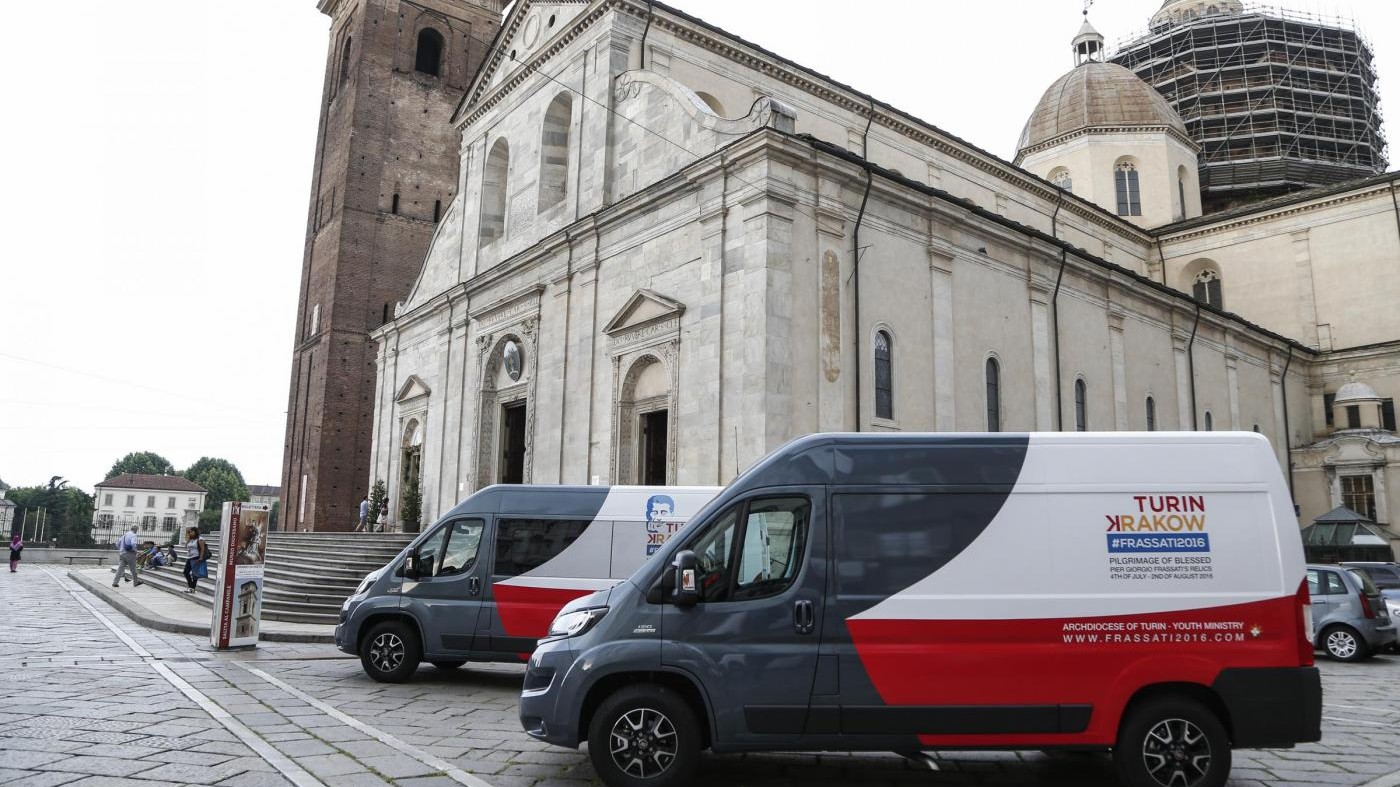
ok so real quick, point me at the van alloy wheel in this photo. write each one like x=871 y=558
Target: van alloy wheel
x=387 y=652
x=1176 y=753
x=643 y=743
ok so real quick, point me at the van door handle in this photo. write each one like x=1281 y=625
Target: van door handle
x=474 y=586
x=804 y=617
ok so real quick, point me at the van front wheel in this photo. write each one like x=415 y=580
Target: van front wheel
x=1172 y=742
x=644 y=735
x=390 y=652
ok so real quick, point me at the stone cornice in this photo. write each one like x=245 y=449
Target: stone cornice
x=1266 y=215
x=1170 y=131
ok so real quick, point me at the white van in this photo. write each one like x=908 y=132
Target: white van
x=1136 y=592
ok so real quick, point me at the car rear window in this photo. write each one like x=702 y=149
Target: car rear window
x=1367 y=586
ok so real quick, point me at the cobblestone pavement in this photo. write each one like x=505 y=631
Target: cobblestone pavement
x=90 y=698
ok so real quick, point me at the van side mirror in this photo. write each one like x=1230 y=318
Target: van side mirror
x=687 y=591
x=410 y=565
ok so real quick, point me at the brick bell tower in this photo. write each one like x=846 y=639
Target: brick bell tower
x=385 y=172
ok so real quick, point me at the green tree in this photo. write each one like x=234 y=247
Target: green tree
x=223 y=485
x=67 y=512
x=273 y=515
x=377 y=494
x=144 y=462
x=411 y=509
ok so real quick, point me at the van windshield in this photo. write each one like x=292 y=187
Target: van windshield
x=1367 y=586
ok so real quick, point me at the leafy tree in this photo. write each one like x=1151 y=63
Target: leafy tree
x=67 y=511
x=377 y=494
x=144 y=462
x=272 y=515
x=411 y=509
x=223 y=485
x=206 y=463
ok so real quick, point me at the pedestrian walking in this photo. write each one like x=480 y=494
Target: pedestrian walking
x=383 y=522
x=16 y=547
x=364 y=516
x=126 y=558
x=196 y=558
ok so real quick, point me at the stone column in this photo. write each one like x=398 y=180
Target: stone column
x=1041 y=353
x=1120 y=374
x=1232 y=383
x=1281 y=439
x=1180 y=346
x=1307 y=298
x=940 y=263
x=1317 y=402
x=833 y=250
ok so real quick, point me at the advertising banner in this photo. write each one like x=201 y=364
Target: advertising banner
x=238 y=586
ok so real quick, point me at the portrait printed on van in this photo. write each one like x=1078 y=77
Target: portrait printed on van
x=659 y=511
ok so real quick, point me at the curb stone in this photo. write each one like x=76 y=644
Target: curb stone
x=161 y=623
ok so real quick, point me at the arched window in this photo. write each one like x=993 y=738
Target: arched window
x=993 y=395
x=1181 y=191
x=1206 y=288
x=493 y=193
x=1126 y=185
x=712 y=103
x=1209 y=422
x=428 y=59
x=554 y=151
x=884 y=376
x=1062 y=179
x=1081 y=406
x=344 y=64
x=1151 y=414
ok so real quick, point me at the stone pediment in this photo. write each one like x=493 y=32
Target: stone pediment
x=1351 y=450
x=643 y=310
x=413 y=388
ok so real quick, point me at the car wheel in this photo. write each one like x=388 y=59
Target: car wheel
x=1172 y=742
x=448 y=664
x=644 y=735
x=1344 y=644
x=390 y=652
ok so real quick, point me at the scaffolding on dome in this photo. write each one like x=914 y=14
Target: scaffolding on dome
x=1278 y=101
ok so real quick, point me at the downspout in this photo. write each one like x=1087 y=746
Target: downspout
x=1287 y=441
x=1055 y=315
x=646 y=30
x=1162 y=260
x=1191 y=365
x=855 y=260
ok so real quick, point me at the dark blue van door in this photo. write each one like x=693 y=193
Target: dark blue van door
x=753 y=638
x=446 y=598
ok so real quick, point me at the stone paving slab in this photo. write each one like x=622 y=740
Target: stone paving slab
x=81 y=706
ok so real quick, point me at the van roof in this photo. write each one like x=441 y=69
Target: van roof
x=558 y=499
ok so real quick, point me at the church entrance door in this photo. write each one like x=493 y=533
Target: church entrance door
x=652 y=449
x=513 y=443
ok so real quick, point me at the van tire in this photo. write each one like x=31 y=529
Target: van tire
x=390 y=652
x=1158 y=730
x=650 y=709
x=1342 y=643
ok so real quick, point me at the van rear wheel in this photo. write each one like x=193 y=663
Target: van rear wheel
x=1344 y=644
x=390 y=652
x=1172 y=742
x=644 y=735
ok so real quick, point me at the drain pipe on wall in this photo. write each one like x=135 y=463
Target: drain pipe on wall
x=855 y=262
x=1055 y=316
x=645 y=31
x=1287 y=438
x=1191 y=365
x=1162 y=259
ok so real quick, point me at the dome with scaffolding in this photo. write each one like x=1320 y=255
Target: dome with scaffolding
x=1178 y=11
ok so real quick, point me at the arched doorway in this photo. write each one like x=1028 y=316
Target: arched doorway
x=646 y=424
x=411 y=468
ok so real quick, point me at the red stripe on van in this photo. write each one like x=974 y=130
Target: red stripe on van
x=1099 y=661
x=527 y=611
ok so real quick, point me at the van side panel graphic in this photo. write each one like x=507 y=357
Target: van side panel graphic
x=628 y=526
x=1168 y=580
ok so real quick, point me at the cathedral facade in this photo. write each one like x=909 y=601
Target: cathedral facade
x=669 y=251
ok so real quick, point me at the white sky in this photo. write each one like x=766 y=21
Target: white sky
x=158 y=165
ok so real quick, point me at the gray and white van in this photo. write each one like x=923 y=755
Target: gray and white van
x=1136 y=592
x=484 y=582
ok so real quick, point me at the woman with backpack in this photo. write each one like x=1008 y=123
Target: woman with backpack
x=197 y=558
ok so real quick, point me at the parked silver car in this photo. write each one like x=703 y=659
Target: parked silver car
x=1349 y=615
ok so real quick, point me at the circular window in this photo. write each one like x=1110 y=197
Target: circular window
x=514 y=360
x=551 y=20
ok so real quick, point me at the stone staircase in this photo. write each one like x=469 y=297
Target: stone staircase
x=307 y=575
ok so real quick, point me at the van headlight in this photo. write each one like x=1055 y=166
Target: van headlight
x=572 y=624
x=366 y=582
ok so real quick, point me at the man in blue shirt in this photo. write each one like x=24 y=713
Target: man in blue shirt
x=126 y=554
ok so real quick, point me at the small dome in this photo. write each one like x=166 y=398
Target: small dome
x=1177 y=11
x=1094 y=95
x=1354 y=391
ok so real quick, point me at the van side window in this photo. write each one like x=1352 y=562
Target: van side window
x=887 y=542
x=463 y=541
x=766 y=551
x=430 y=553
x=523 y=545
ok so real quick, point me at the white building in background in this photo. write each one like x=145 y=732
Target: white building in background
x=161 y=506
x=649 y=275
x=259 y=494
